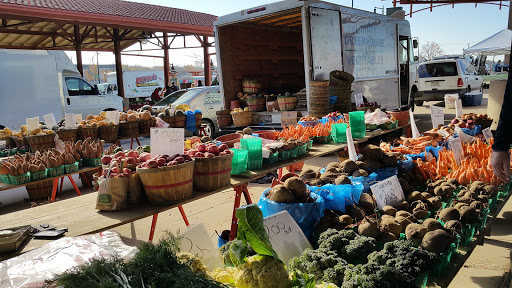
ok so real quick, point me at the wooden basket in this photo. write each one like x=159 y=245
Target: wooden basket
x=224 y=120
x=87 y=132
x=167 y=184
x=223 y=112
x=179 y=121
x=212 y=173
x=20 y=141
x=169 y=120
x=256 y=104
x=40 y=190
x=251 y=86
x=109 y=133
x=69 y=135
x=145 y=126
x=129 y=129
x=287 y=103
x=242 y=119
x=41 y=142
x=230 y=139
x=9 y=142
x=199 y=118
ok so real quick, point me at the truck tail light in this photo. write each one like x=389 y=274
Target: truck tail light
x=460 y=83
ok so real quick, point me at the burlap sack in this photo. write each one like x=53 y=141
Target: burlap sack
x=112 y=193
x=135 y=189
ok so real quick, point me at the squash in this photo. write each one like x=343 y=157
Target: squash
x=146 y=115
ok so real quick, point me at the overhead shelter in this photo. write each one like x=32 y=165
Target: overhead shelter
x=100 y=25
x=497 y=44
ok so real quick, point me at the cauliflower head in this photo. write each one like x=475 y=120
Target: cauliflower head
x=224 y=275
x=262 y=272
x=326 y=285
x=192 y=261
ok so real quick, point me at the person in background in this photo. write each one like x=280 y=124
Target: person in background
x=155 y=96
x=174 y=88
x=497 y=67
x=199 y=83
x=503 y=137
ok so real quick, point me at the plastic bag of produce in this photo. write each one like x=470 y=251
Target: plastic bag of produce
x=366 y=181
x=305 y=214
x=406 y=165
x=336 y=197
x=385 y=173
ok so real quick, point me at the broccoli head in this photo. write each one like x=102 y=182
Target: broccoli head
x=262 y=272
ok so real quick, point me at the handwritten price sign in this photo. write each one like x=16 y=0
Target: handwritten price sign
x=388 y=192
x=198 y=242
x=437 y=115
x=455 y=145
x=167 y=141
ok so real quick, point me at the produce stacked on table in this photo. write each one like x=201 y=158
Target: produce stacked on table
x=95 y=120
x=42 y=130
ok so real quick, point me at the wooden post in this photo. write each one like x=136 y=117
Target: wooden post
x=166 y=60
x=207 y=68
x=78 y=48
x=119 y=65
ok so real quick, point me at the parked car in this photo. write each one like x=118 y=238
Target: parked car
x=168 y=100
x=207 y=99
x=437 y=78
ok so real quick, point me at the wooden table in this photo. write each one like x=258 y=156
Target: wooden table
x=80 y=216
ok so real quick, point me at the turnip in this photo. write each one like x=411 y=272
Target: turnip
x=415 y=233
x=369 y=228
x=448 y=214
x=432 y=224
x=468 y=215
x=389 y=224
x=389 y=210
x=297 y=188
x=436 y=241
x=346 y=220
x=281 y=194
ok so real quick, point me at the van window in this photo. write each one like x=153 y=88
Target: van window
x=440 y=69
x=78 y=87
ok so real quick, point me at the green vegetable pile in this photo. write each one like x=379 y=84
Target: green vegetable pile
x=349 y=260
x=160 y=265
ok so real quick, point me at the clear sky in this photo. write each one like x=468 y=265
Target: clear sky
x=453 y=28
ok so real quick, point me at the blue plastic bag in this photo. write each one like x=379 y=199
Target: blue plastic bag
x=305 y=214
x=191 y=121
x=385 y=173
x=434 y=150
x=474 y=131
x=332 y=100
x=417 y=156
x=406 y=165
x=365 y=181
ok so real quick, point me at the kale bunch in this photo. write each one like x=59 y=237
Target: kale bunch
x=347 y=244
x=314 y=262
x=373 y=275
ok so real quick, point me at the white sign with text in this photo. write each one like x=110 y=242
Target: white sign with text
x=49 y=120
x=352 y=155
x=196 y=241
x=167 y=141
x=32 y=124
x=113 y=116
x=70 y=120
x=455 y=145
x=463 y=136
x=388 y=192
x=437 y=115
x=487 y=134
x=358 y=98
x=458 y=108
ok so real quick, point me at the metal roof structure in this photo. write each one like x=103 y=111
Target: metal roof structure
x=99 y=25
x=431 y=4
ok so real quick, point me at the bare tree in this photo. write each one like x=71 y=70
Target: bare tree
x=430 y=50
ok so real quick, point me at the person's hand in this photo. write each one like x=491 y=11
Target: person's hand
x=501 y=165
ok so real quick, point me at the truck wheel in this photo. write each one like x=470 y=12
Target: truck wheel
x=418 y=102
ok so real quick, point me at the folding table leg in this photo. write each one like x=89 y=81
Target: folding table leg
x=74 y=185
x=54 y=189
x=61 y=184
x=280 y=173
x=131 y=143
x=183 y=215
x=239 y=190
x=138 y=142
x=153 y=225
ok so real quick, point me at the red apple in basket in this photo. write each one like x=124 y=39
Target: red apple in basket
x=161 y=162
x=105 y=160
x=112 y=175
x=173 y=163
x=225 y=152
x=199 y=155
x=127 y=171
x=174 y=157
x=179 y=159
x=145 y=157
x=209 y=155
x=151 y=164
x=119 y=154
x=187 y=157
x=191 y=152
x=223 y=147
x=201 y=147
x=131 y=160
x=133 y=154
x=213 y=149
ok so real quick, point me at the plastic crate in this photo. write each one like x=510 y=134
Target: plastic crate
x=482 y=221
x=493 y=202
x=91 y=162
x=468 y=232
x=294 y=152
x=20 y=179
x=40 y=175
x=5 y=179
x=309 y=144
x=70 y=168
x=284 y=155
x=338 y=132
x=322 y=139
x=239 y=161
x=421 y=280
x=444 y=259
x=55 y=172
x=303 y=149
x=472 y=99
x=253 y=145
x=273 y=158
x=255 y=164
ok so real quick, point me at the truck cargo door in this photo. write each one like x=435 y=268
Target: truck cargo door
x=325 y=42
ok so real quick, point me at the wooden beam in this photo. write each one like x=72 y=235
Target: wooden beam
x=86 y=33
x=45 y=33
x=158 y=39
x=69 y=35
x=125 y=32
x=207 y=67
x=166 y=59
x=4 y=24
x=142 y=55
x=78 y=47
x=36 y=45
x=199 y=39
x=119 y=65
x=108 y=31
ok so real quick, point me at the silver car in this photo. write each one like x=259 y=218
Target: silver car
x=207 y=99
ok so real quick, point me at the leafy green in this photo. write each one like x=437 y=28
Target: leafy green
x=302 y=280
x=251 y=229
x=237 y=252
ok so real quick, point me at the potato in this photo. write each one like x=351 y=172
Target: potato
x=415 y=233
x=367 y=203
x=414 y=196
x=448 y=214
x=361 y=165
x=307 y=174
x=453 y=181
x=342 y=179
x=298 y=188
x=436 y=241
x=389 y=210
x=432 y=224
x=281 y=194
x=386 y=237
x=346 y=220
x=468 y=215
x=360 y=173
x=372 y=152
x=404 y=205
x=477 y=205
x=434 y=203
x=459 y=206
x=349 y=166
x=389 y=224
x=372 y=164
x=389 y=160
x=425 y=195
x=368 y=228
x=420 y=211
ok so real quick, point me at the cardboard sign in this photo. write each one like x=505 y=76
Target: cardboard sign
x=455 y=145
x=352 y=155
x=32 y=124
x=463 y=136
x=358 y=98
x=288 y=118
x=286 y=237
x=49 y=120
x=487 y=134
x=78 y=118
x=443 y=133
x=113 y=116
x=167 y=141
x=172 y=109
x=196 y=241
x=70 y=120
x=458 y=108
x=414 y=128
x=437 y=115
x=388 y=192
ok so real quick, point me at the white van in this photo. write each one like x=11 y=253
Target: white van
x=437 y=78
x=36 y=83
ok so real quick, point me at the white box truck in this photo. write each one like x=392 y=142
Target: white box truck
x=138 y=84
x=286 y=44
x=36 y=83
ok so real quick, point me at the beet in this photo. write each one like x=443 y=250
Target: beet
x=448 y=214
x=389 y=224
x=368 y=228
x=454 y=226
x=468 y=215
x=346 y=220
x=436 y=241
x=415 y=233
x=432 y=224
x=389 y=210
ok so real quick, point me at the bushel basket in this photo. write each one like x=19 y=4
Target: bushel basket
x=251 y=86
x=145 y=126
x=41 y=142
x=179 y=121
x=69 y=135
x=20 y=141
x=256 y=104
x=287 y=103
x=199 y=118
x=129 y=129
x=88 y=132
x=109 y=133
x=242 y=119
x=212 y=173
x=168 y=184
x=40 y=190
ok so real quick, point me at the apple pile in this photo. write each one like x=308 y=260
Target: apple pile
x=368 y=104
x=166 y=160
x=210 y=150
x=333 y=115
x=117 y=172
x=131 y=157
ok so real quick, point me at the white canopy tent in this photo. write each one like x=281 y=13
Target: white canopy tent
x=497 y=44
